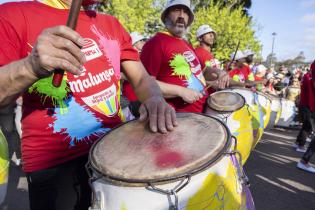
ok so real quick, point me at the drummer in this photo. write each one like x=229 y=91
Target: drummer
x=308 y=101
x=173 y=62
x=59 y=125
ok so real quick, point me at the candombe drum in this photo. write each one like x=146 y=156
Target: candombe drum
x=194 y=167
x=288 y=112
x=230 y=108
x=265 y=103
x=275 y=111
x=4 y=166
x=255 y=110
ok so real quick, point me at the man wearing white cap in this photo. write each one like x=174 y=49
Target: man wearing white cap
x=137 y=41
x=173 y=62
x=206 y=37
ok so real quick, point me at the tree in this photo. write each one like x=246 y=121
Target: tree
x=231 y=27
x=230 y=4
x=136 y=15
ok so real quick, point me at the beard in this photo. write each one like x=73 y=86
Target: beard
x=177 y=28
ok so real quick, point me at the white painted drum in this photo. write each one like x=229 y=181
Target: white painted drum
x=288 y=112
x=265 y=103
x=275 y=111
x=4 y=166
x=229 y=107
x=190 y=168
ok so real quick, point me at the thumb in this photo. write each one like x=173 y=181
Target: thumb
x=143 y=112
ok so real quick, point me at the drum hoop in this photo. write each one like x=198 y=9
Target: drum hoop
x=265 y=95
x=228 y=111
x=143 y=183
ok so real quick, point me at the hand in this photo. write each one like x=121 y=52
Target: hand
x=223 y=81
x=57 y=48
x=161 y=116
x=189 y=95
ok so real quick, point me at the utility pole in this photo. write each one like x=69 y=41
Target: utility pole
x=274 y=34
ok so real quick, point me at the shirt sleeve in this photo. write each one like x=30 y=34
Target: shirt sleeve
x=127 y=51
x=10 y=48
x=151 y=56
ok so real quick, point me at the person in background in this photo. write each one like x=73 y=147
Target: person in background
x=137 y=40
x=173 y=62
x=60 y=124
x=309 y=86
x=269 y=87
x=260 y=76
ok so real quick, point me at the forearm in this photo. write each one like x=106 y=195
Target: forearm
x=15 y=78
x=170 y=90
x=234 y=83
x=211 y=74
x=147 y=88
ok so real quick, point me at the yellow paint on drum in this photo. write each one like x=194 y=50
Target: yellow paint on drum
x=267 y=113
x=244 y=133
x=219 y=192
x=4 y=159
x=278 y=115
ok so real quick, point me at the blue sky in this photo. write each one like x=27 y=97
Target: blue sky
x=292 y=20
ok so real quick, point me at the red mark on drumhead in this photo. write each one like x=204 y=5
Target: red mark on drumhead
x=168 y=159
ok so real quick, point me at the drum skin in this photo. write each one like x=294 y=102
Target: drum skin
x=255 y=110
x=239 y=123
x=216 y=187
x=4 y=166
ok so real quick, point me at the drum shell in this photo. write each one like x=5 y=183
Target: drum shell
x=239 y=123
x=255 y=111
x=275 y=112
x=4 y=166
x=288 y=112
x=265 y=103
x=208 y=187
x=221 y=179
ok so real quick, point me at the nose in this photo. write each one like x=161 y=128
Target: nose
x=181 y=12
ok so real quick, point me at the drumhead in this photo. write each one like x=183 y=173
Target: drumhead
x=224 y=101
x=132 y=154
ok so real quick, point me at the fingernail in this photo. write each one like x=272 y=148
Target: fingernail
x=154 y=129
x=81 y=41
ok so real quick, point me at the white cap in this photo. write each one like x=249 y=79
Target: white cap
x=261 y=68
x=204 y=29
x=269 y=76
x=136 y=37
x=171 y=3
x=239 y=55
x=248 y=53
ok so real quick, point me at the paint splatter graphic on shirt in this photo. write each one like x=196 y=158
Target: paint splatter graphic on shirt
x=78 y=127
x=182 y=69
x=45 y=88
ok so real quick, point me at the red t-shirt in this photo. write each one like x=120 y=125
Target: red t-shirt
x=128 y=92
x=172 y=60
x=304 y=89
x=205 y=57
x=241 y=74
x=53 y=134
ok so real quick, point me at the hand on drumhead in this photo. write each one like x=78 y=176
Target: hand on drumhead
x=223 y=81
x=161 y=116
x=57 y=48
x=189 y=95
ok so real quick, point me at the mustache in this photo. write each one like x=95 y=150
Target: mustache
x=181 y=21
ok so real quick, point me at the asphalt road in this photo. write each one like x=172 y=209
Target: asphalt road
x=276 y=183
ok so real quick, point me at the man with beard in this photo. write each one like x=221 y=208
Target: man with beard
x=173 y=62
x=59 y=125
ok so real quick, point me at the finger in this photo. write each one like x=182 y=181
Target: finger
x=66 y=33
x=143 y=113
x=161 y=121
x=62 y=54
x=71 y=47
x=168 y=119
x=58 y=63
x=173 y=115
x=153 y=112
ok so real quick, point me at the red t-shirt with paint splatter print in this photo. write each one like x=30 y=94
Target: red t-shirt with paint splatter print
x=205 y=57
x=172 y=60
x=55 y=131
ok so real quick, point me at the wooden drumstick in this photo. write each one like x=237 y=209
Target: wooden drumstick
x=71 y=23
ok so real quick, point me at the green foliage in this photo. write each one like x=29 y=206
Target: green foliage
x=136 y=15
x=231 y=27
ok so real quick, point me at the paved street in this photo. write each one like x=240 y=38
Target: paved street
x=276 y=183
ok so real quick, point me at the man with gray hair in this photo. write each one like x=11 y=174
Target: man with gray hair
x=173 y=62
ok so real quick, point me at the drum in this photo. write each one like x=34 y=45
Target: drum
x=275 y=111
x=255 y=110
x=193 y=167
x=230 y=107
x=288 y=112
x=293 y=93
x=4 y=166
x=265 y=102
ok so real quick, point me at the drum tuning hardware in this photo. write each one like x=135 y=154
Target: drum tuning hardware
x=171 y=193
